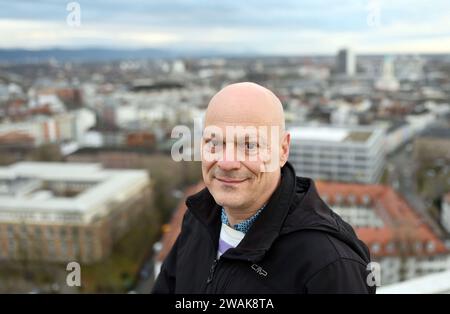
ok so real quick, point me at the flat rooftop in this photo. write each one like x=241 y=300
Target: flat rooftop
x=24 y=186
x=330 y=134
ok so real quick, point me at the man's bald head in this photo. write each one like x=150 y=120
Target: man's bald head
x=245 y=103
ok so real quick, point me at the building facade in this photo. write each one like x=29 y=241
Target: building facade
x=397 y=237
x=67 y=211
x=346 y=62
x=338 y=153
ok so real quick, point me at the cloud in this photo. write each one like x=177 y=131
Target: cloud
x=266 y=26
x=36 y=34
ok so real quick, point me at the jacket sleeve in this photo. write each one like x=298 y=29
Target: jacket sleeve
x=341 y=276
x=165 y=282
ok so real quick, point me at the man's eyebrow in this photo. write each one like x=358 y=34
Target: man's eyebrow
x=209 y=137
x=238 y=138
x=247 y=137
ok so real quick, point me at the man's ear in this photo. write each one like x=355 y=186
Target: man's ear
x=284 y=149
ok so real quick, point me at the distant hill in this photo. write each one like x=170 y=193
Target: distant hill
x=110 y=54
x=100 y=54
x=81 y=55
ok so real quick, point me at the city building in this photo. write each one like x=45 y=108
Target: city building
x=113 y=157
x=445 y=212
x=345 y=62
x=15 y=145
x=338 y=153
x=398 y=133
x=433 y=144
x=67 y=211
x=57 y=128
x=387 y=81
x=396 y=235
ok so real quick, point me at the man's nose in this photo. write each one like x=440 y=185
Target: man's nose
x=229 y=161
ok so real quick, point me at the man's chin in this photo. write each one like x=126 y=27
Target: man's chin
x=226 y=201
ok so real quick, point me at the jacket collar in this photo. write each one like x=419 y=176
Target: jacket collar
x=264 y=230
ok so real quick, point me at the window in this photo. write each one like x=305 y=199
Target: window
x=10 y=231
x=51 y=248
x=375 y=248
x=37 y=232
x=366 y=199
x=431 y=246
x=63 y=233
x=352 y=199
x=390 y=247
x=63 y=248
x=418 y=246
x=338 y=198
x=75 y=232
x=49 y=234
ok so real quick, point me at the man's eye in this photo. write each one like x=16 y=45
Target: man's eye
x=251 y=146
x=212 y=145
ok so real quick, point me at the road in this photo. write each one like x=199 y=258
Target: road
x=402 y=177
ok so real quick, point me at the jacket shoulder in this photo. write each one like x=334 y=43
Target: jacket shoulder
x=318 y=248
x=323 y=262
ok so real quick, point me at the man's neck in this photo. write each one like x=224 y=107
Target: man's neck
x=236 y=215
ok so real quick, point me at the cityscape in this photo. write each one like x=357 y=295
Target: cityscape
x=87 y=175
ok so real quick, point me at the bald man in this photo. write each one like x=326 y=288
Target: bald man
x=257 y=227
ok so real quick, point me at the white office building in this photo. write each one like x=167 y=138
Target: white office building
x=58 y=211
x=337 y=153
x=445 y=212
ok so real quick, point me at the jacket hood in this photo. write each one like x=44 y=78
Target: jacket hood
x=294 y=206
x=312 y=213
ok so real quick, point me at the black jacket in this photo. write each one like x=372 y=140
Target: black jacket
x=297 y=245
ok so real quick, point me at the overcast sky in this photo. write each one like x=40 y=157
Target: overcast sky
x=262 y=26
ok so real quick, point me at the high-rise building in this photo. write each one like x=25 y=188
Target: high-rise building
x=345 y=62
x=388 y=81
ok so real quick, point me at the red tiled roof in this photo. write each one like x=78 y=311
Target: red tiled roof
x=403 y=228
x=16 y=137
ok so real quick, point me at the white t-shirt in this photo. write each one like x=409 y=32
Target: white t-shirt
x=229 y=238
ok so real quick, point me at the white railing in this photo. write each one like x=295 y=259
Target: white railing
x=429 y=284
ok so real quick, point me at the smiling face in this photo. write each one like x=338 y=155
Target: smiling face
x=244 y=146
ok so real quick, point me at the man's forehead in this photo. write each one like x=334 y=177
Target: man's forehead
x=239 y=124
x=241 y=117
x=244 y=104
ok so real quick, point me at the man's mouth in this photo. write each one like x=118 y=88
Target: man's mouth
x=230 y=180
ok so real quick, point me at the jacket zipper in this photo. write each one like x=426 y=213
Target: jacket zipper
x=212 y=271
